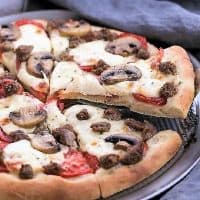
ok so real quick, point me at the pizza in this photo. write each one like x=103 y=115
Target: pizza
x=53 y=146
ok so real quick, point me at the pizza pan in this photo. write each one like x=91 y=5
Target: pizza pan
x=186 y=158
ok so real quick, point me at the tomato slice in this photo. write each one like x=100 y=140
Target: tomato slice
x=7 y=87
x=158 y=101
x=40 y=95
x=87 y=68
x=140 y=38
x=75 y=164
x=92 y=161
x=22 y=22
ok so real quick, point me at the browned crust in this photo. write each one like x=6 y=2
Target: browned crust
x=47 y=187
x=162 y=147
x=176 y=106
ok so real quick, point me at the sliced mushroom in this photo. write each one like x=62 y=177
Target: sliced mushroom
x=123 y=46
x=122 y=137
x=133 y=155
x=120 y=74
x=65 y=135
x=108 y=161
x=28 y=116
x=19 y=135
x=74 y=28
x=23 y=52
x=40 y=63
x=45 y=142
x=26 y=171
x=9 y=33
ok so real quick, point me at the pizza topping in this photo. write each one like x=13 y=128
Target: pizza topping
x=9 y=33
x=124 y=46
x=52 y=168
x=133 y=154
x=109 y=160
x=167 y=68
x=134 y=124
x=168 y=90
x=26 y=171
x=149 y=130
x=65 y=56
x=120 y=74
x=158 y=101
x=6 y=46
x=40 y=63
x=65 y=135
x=104 y=34
x=9 y=87
x=143 y=54
x=43 y=141
x=19 y=135
x=74 y=41
x=75 y=164
x=101 y=127
x=28 y=116
x=112 y=114
x=122 y=145
x=83 y=115
x=23 y=22
x=23 y=52
x=74 y=28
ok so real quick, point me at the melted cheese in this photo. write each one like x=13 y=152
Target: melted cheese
x=21 y=152
x=32 y=35
x=89 y=140
x=89 y=53
x=59 y=43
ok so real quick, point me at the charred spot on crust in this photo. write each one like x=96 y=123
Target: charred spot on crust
x=168 y=90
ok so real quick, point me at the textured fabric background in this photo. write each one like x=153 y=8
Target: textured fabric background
x=172 y=22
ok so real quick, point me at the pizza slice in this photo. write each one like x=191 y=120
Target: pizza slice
x=162 y=85
x=26 y=52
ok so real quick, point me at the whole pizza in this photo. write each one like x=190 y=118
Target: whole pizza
x=54 y=147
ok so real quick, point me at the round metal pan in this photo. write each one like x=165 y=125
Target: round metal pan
x=183 y=163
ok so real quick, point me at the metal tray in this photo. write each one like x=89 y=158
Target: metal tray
x=188 y=155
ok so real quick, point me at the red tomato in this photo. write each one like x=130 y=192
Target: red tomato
x=7 y=83
x=141 y=39
x=87 y=68
x=158 y=101
x=40 y=95
x=22 y=22
x=92 y=161
x=75 y=164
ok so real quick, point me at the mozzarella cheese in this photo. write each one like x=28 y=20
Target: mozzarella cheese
x=13 y=103
x=91 y=52
x=35 y=36
x=91 y=141
x=59 y=43
x=21 y=152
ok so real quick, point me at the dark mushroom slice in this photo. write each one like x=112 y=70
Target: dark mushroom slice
x=9 y=33
x=109 y=160
x=40 y=63
x=120 y=74
x=52 y=168
x=124 y=46
x=74 y=28
x=23 y=52
x=26 y=172
x=28 y=116
x=133 y=154
x=112 y=114
x=83 y=115
x=167 y=68
x=100 y=127
x=45 y=142
x=115 y=138
x=65 y=135
x=19 y=135
x=169 y=89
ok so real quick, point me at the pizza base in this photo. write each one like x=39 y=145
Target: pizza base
x=161 y=148
x=177 y=106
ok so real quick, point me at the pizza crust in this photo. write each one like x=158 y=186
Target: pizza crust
x=176 y=106
x=49 y=187
x=161 y=148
